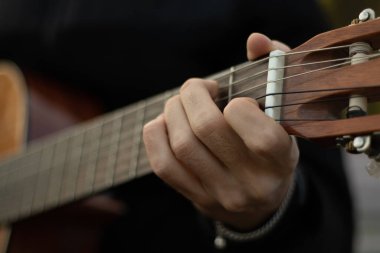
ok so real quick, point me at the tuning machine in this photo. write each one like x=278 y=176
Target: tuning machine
x=368 y=144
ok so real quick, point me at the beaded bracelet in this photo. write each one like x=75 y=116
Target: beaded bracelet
x=223 y=233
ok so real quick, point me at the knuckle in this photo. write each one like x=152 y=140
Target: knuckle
x=189 y=82
x=205 y=203
x=237 y=104
x=182 y=147
x=262 y=145
x=171 y=102
x=205 y=125
x=148 y=134
x=147 y=130
x=236 y=203
x=232 y=107
x=161 y=168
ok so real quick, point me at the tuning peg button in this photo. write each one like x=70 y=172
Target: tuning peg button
x=366 y=14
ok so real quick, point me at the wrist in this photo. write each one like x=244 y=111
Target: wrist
x=224 y=233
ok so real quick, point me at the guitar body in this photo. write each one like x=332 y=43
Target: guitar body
x=74 y=228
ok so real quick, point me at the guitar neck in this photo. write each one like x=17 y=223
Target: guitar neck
x=97 y=155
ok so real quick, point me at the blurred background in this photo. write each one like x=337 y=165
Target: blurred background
x=340 y=12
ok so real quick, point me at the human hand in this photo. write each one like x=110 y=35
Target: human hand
x=235 y=166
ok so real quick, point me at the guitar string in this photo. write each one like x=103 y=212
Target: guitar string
x=266 y=59
x=332 y=100
x=337 y=99
x=261 y=85
x=236 y=83
x=240 y=81
x=288 y=66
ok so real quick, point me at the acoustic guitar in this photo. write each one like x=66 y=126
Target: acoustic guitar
x=319 y=80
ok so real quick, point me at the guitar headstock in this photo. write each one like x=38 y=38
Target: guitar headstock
x=332 y=86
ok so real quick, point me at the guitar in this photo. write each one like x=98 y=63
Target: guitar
x=318 y=83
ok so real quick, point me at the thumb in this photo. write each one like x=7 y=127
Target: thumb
x=259 y=45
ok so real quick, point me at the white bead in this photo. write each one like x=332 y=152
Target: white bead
x=220 y=242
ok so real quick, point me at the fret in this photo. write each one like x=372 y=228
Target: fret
x=124 y=155
x=5 y=168
x=16 y=170
x=230 y=82
x=56 y=173
x=5 y=190
x=154 y=107
x=107 y=155
x=102 y=144
x=72 y=167
x=23 y=164
x=27 y=188
x=116 y=129
x=41 y=188
x=18 y=175
x=13 y=194
x=12 y=211
x=29 y=183
x=244 y=80
x=144 y=164
x=136 y=142
x=87 y=165
x=223 y=80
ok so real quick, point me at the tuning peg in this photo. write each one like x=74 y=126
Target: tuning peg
x=366 y=15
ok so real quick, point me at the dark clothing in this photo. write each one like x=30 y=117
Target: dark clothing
x=123 y=51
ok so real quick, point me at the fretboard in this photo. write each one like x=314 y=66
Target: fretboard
x=99 y=154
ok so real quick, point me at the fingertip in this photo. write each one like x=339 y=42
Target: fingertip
x=258 y=45
x=281 y=46
x=211 y=85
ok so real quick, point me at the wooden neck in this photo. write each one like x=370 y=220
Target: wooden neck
x=102 y=153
